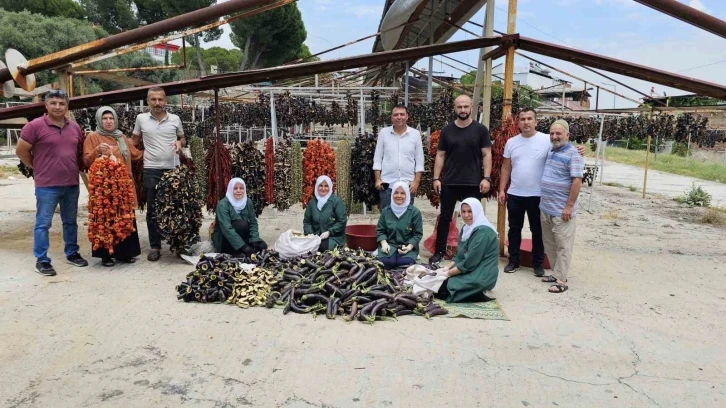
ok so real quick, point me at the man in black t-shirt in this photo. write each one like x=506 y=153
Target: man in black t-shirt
x=465 y=156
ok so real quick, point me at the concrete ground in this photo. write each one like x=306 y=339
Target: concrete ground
x=641 y=326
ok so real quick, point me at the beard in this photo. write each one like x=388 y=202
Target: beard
x=464 y=115
x=557 y=144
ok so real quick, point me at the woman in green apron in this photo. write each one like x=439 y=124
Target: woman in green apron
x=235 y=227
x=326 y=215
x=399 y=229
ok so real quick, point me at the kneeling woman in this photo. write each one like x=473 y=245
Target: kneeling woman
x=399 y=230
x=235 y=227
x=326 y=215
x=475 y=267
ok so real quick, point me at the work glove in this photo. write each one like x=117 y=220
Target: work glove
x=385 y=248
x=405 y=249
x=442 y=272
x=325 y=235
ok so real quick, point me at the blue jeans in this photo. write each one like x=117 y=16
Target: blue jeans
x=47 y=199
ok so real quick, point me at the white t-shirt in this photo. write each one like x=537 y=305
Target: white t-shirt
x=528 y=155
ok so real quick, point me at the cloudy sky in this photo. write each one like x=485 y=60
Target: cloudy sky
x=617 y=28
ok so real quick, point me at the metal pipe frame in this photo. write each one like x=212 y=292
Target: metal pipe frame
x=689 y=15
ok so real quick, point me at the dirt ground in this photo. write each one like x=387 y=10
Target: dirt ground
x=641 y=326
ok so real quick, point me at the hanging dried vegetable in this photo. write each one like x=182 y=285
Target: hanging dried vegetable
x=110 y=203
x=269 y=170
x=427 y=178
x=282 y=183
x=362 y=177
x=499 y=140
x=375 y=111
x=248 y=163
x=351 y=109
x=296 y=159
x=431 y=159
x=179 y=209
x=318 y=160
x=342 y=161
x=196 y=147
x=25 y=170
x=219 y=172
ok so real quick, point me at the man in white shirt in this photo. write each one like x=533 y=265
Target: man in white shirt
x=398 y=157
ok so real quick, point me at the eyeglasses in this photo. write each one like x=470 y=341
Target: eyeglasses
x=56 y=93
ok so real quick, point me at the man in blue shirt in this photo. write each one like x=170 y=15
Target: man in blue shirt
x=561 y=182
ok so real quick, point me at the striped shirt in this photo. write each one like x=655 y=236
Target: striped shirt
x=561 y=167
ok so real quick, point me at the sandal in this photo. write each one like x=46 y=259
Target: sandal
x=154 y=255
x=549 y=278
x=107 y=262
x=126 y=260
x=560 y=288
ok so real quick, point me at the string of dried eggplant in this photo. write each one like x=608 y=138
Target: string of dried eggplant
x=179 y=209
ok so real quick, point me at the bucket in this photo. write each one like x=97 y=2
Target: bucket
x=361 y=236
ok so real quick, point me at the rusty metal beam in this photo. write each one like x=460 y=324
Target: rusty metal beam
x=269 y=74
x=689 y=15
x=135 y=69
x=625 y=68
x=61 y=58
x=496 y=53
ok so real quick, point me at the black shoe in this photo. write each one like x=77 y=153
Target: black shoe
x=436 y=258
x=539 y=271
x=44 y=268
x=108 y=262
x=76 y=260
x=511 y=267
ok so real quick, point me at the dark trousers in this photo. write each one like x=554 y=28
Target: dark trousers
x=449 y=196
x=324 y=245
x=385 y=197
x=396 y=261
x=444 y=293
x=151 y=180
x=517 y=207
x=242 y=228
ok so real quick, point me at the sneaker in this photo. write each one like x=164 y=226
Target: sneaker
x=438 y=257
x=539 y=271
x=76 y=260
x=44 y=268
x=511 y=267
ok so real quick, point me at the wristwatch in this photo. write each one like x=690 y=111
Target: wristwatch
x=487 y=178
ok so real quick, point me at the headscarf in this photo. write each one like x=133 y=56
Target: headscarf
x=240 y=204
x=120 y=138
x=398 y=210
x=323 y=199
x=479 y=218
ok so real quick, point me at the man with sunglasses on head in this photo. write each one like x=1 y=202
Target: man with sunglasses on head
x=50 y=145
x=162 y=136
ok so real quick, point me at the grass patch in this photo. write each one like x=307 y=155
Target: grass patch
x=612 y=214
x=613 y=184
x=714 y=217
x=6 y=171
x=668 y=163
x=632 y=188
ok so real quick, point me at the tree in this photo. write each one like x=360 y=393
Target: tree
x=225 y=60
x=113 y=15
x=527 y=95
x=50 y=8
x=270 y=38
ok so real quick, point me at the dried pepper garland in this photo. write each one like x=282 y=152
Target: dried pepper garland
x=219 y=172
x=179 y=209
x=283 y=174
x=431 y=159
x=342 y=162
x=196 y=147
x=296 y=158
x=362 y=177
x=500 y=137
x=269 y=170
x=248 y=163
x=318 y=160
x=110 y=204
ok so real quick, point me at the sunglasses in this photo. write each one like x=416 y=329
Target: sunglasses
x=56 y=93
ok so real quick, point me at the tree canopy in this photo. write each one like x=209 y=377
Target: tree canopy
x=270 y=38
x=225 y=60
x=527 y=95
x=52 y=8
x=113 y=15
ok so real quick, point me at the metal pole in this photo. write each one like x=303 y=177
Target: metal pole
x=216 y=111
x=429 y=84
x=480 y=71
x=647 y=159
x=597 y=153
x=273 y=116
x=362 y=118
x=487 y=95
x=507 y=106
x=597 y=98
x=316 y=80
x=563 y=97
x=688 y=14
x=405 y=92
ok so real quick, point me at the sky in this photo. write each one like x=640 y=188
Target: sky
x=621 y=29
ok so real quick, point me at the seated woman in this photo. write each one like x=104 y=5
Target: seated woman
x=399 y=229
x=235 y=226
x=326 y=215
x=107 y=140
x=475 y=267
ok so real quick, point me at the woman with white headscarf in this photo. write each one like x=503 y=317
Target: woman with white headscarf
x=326 y=216
x=399 y=229
x=235 y=227
x=475 y=267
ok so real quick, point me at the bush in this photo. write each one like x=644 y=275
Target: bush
x=713 y=217
x=680 y=149
x=695 y=197
x=636 y=144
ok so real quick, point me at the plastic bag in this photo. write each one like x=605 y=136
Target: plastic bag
x=290 y=245
x=423 y=280
x=452 y=241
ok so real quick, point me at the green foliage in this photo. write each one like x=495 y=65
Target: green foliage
x=50 y=8
x=680 y=149
x=695 y=197
x=526 y=97
x=225 y=60
x=636 y=144
x=113 y=15
x=270 y=38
